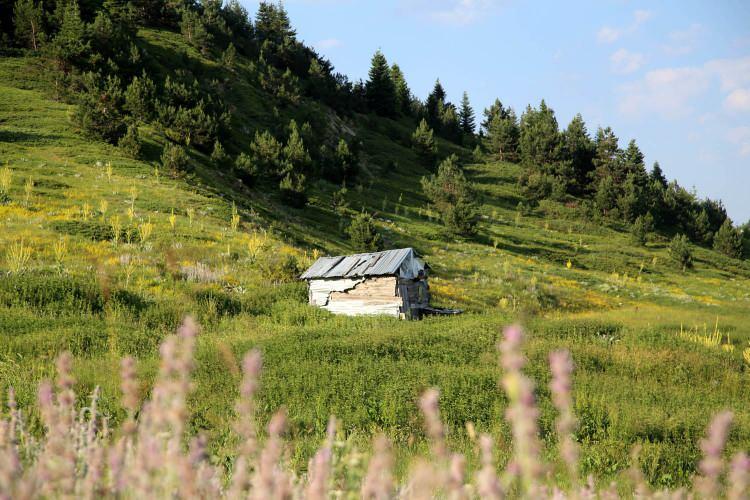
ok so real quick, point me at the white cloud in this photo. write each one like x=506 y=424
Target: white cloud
x=683 y=42
x=624 y=62
x=734 y=73
x=738 y=100
x=740 y=136
x=455 y=12
x=328 y=43
x=671 y=92
x=641 y=16
x=666 y=91
x=609 y=34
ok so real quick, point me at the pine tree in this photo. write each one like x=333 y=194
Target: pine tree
x=466 y=117
x=502 y=136
x=606 y=195
x=403 y=94
x=745 y=230
x=716 y=213
x=495 y=110
x=265 y=153
x=632 y=203
x=293 y=188
x=450 y=125
x=423 y=142
x=119 y=10
x=131 y=143
x=434 y=105
x=27 y=19
x=346 y=161
x=364 y=234
x=140 y=98
x=679 y=250
x=219 y=156
x=317 y=79
x=728 y=240
x=640 y=229
x=539 y=139
x=380 y=90
x=229 y=57
x=606 y=154
x=113 y=38
x=296 y=157
x=152 y=12
x=174 y=158
x=702 y=229
x=658 y=175
x=100 y=108
x=632 y=162
x=452 y=196
x=194 y=30
x=70 y=42
x=579 y=150
x=272 y=24
x=238 y=19
x=244 y=165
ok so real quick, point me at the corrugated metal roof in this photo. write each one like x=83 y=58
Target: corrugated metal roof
x=362 y=264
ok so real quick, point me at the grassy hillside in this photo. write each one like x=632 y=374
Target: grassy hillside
x=74 y=279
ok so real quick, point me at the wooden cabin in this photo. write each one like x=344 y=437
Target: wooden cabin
x=393 y=282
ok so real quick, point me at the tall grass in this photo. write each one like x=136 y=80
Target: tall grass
x=151 y=455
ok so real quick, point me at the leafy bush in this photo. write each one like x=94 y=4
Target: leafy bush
x=163 y=316
x=259 y=300
x=280 y=267
x=51 y=293
x=223 y=303
x=130 y=301
x=88 y=341
x=90 y=229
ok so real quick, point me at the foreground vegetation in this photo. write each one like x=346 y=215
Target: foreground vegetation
x=82 y=456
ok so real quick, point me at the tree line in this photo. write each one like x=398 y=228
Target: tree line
x=610 y=180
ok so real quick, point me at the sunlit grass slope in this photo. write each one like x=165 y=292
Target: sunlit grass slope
x=102 y=256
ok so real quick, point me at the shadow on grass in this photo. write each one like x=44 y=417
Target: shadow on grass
x=27 y=137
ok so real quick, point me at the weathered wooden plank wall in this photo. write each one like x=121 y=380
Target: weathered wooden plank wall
x=357 y=296
x=319 y=291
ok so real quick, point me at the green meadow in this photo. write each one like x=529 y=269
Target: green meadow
x=103 y=256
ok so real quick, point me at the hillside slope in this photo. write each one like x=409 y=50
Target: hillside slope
x=103 y=255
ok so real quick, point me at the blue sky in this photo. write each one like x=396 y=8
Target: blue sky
x=674 y=75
